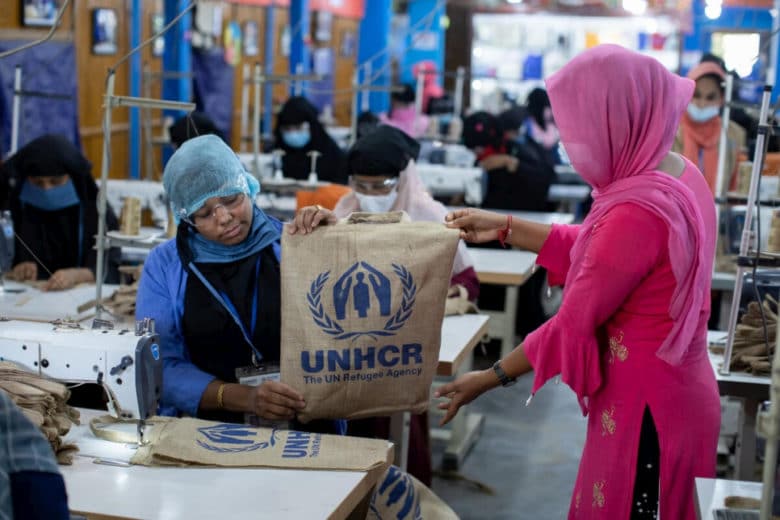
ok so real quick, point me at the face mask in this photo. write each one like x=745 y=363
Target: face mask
x=701 y=115
x=296 y=138
x=377 y=203
x=52 y=199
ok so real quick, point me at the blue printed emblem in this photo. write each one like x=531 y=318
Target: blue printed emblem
x=234 y=438
x=352 y=294
x=395 y=497
x=156 y=351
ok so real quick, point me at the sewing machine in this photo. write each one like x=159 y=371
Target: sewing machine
x=446 y=181
x=127 y=363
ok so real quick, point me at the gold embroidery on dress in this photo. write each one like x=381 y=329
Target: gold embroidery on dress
x=608 y=424
x=617 y=349
x=598 y=494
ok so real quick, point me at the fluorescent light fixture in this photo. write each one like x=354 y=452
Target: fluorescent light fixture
x=514 y=1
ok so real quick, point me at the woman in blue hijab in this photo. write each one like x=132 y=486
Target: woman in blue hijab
x=214 y=293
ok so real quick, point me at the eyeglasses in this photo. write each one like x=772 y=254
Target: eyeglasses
x=378 y=187
x=208 y=216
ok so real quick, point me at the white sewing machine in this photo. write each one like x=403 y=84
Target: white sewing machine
x=448 y=181
x=127 y=363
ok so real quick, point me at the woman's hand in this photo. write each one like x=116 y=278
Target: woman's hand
x=275 y=401
x=66 y=278
x=309 y=218
x=463 y=390
x=476 y=225
x=24 y=271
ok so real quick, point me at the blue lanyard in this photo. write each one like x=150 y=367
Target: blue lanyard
x=223 y=299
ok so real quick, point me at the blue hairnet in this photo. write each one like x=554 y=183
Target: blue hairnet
x=204 y=167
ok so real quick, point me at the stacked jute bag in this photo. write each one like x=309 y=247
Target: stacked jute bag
x=750 y=351
x=44 y=402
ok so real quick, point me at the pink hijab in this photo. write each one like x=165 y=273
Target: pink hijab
x=414 y=199
x=617 y=112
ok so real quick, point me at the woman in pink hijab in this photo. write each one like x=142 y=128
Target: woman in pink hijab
x=630 y=336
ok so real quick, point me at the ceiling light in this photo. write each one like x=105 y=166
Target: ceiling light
x=713 y=11
x=635 y=6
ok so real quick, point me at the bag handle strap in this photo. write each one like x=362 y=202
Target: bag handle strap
x=392 y=217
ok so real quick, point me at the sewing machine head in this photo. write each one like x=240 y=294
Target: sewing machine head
x=127 y=363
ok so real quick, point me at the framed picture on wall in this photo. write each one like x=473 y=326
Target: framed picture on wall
x=348 y=44
x=39 y=12
x=158 y=22
x=250 y=39
x=104 y=31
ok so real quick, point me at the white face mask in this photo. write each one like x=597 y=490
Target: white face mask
x=700 y=115
x=377 y=203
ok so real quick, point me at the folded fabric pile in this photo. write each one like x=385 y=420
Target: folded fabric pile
x=44 y=402
x=750 y=352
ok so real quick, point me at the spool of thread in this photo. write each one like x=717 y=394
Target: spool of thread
x=773 y=244
x=130 y=220
x=171 y=230
x=744 y=171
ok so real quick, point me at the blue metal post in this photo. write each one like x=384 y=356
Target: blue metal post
x=135 y=89
x=427 y=41
x=299 y=27
x=374 y=32
x=176 y=58
x=268 y=58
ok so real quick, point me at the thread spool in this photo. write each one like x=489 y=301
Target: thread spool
x=171 y=229
x=773 y=244
x=744 y=171
x=130 y=220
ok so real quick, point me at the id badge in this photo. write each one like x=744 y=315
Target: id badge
x=255 y=376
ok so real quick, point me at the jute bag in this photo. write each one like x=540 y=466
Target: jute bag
x=400 y=496
x=362 y=308
x=194 y=442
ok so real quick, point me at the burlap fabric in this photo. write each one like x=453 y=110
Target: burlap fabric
x=362 y=309
x=400 y=496
x=194 y=442
x=44 y=402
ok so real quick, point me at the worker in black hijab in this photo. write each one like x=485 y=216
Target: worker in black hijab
x=54 y=208
x=298 y=131
x=192 y=125
x=515 y=180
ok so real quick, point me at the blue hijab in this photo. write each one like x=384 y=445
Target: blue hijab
x=262 y=234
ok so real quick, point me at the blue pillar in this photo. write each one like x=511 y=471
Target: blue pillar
x=176 y=58
x=426 y=42
x=373 y=40
x=136 y=18
x=268 y=58
x=299 y=29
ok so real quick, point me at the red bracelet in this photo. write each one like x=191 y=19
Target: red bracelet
x=505 y=233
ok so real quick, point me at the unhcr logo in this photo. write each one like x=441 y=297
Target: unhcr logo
x=352 y=295
x=234 y=438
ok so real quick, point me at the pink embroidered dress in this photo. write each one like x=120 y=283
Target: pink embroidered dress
x=631 y=330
